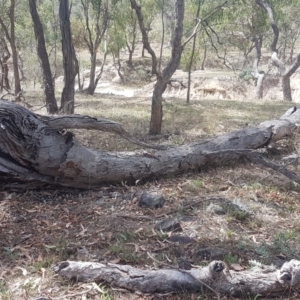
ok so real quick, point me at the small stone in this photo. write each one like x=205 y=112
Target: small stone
x=151 y=201
x=184 y=264
x=181 y=239
x=169 y=224
x=216 y=209
x=210 y=253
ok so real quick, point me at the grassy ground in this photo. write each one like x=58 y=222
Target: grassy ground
x=42 y=227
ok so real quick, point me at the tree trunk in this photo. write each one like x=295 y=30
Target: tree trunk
x=94 y=34
x=157 y=107
x=5 y=57
x=204 y=57
x=285 y=72
x=265 y=281
x=70 y=62
x=101 y=69
x=44 y=60
x=260 y=85
x=162 y=35
x=188 y=94
x=34 y=147
x=162 y=77
x=146 y=43
x=10 y=36
x=259 y=76
x=91 y=88
x=168 y=71
x=14 y=51
x=286 y=88
x=131 y=45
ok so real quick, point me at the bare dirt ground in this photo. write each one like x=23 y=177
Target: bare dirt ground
x=239 y=213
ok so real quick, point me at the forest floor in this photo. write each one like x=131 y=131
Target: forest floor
x=39 y=228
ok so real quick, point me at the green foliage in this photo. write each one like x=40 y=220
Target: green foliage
x=280 y=245
x=4 y=290
x=230 y=259
x=246 y=74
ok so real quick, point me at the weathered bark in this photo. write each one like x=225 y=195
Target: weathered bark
x=263 y=281
x=4 y=66
x=34 y=147
x=70 y=62
x=44 y=59
x=258 y=75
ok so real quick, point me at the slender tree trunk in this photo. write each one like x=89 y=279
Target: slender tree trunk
x=70 y=62
x=143 y=51
x=285 y=72
x=204 y=57
x=91 y=88
x=162 y=36
x=192 y=57
x=14 y=50
x=94 y=34
x=131 y=45
x=259 y=76
x=1 y=76
x=157 y=107
x=118 y=66
x=44 y=59
x=102 y=67
x=169 y=70
x=286 y=88
x=144 y=31
x=130 y=57
x=5 y=58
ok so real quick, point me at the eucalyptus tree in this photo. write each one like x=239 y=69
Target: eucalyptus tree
x=117 y=40
x=273 y=9
x=5 y=55
x=94 y=16
x=7 y=22
x=165 y=75
x=125 y=21
x=70 y=63
x=246 y=30
x=195 y=6
x=44 y=59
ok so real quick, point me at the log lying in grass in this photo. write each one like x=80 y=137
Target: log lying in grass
x=264 y=281
x=34 y=147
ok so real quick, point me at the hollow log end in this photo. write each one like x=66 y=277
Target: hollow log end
x=289 y=274
x=62 y=265
x=216 y=268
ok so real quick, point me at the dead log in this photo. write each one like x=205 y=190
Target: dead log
x=261 y=280
x=35 y=147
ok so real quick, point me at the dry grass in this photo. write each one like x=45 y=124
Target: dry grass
x=40 y=228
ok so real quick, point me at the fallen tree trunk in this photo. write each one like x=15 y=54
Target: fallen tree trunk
x=262 y=280
x=35 y=147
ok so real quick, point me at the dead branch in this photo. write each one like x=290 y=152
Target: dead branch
x=263 y=280
x=35 y=147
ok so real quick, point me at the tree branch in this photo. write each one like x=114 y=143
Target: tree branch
x=263 y=281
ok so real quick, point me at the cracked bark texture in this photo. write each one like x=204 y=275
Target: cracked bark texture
x=35 y=147
x=263 y=280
